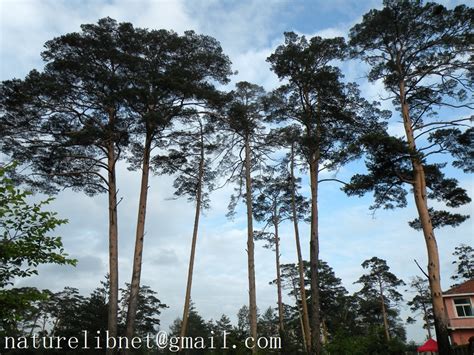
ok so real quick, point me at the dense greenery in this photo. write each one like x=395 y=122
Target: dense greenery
x=68 y=314
x=26 y=242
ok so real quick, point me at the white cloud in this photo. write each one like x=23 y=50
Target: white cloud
x=331 y=32
x=27 y=24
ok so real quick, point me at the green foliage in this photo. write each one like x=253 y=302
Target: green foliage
x=113 y=87
x=187 y=149
x=331 y=114
x=167 y=75
x=16 y=306
x=335 y=304
x=419 y=52
x=372 y=342
x=148 y=309
x=333 y=298
x=272 y=197
x=268 y=323
x=25 y=244
x=420 y=304
x=411 y=41
x=67 y=120
x=24 y=228
x=377 y=284
x=241 y=124
x=197 y=327
x=460 y=144
x=440 y=219
x=390 y=174
x=67 y=313
x=388 y=168
x=94 y=99
x=464 y=263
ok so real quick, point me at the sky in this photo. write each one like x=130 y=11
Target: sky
x=248 y=31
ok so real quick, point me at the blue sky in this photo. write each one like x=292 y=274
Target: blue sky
x=249 y=31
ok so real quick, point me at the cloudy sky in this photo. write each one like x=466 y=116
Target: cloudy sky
x=249 y=31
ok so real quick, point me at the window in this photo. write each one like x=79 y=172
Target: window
x=463 y=307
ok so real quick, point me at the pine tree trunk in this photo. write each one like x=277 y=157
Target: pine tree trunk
x=277 y=261
x=187 y=299
x=314 y=258
x=304 y=303
x=384 y=313
x=325 y=333
x=140 y=232
x=113 y=245
x=314 y=238
x=420 y=196
x=295 y=291
x=250 y=247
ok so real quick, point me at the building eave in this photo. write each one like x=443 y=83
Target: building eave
x=459 y=294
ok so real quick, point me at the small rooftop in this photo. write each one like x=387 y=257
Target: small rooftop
x=465 y=287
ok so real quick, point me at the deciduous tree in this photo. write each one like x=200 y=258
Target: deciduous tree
x=25 y=243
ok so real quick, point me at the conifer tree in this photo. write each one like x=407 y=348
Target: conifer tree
x=380 y=285
x=168 y=75
x=332 y=116
x=420 y=52
x=272 y=205
x=465 y=262
x=68 y=123
x=421 y=303
x=188 y=156
x=244 y=150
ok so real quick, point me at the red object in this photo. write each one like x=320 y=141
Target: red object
x=430 y=345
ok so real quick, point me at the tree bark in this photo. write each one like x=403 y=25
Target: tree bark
x=304 y=303
x=420 y=196
x=113 y=245
x=250 y=247
x=295 y=290
x=384 y=312
x=314 y=258
x=277 y=261
x=137 y=259
x=314 y=238
x=187 y=299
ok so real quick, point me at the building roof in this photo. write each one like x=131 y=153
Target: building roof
x=430 y=345
x=465 y=287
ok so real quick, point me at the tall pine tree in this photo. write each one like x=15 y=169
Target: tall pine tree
x=168 y=75
x=332 y=116
x=69 y=121
x=420 y=52
x=244 y=150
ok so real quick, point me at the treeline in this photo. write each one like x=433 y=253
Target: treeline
x=154 y=99
x=352 y=324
